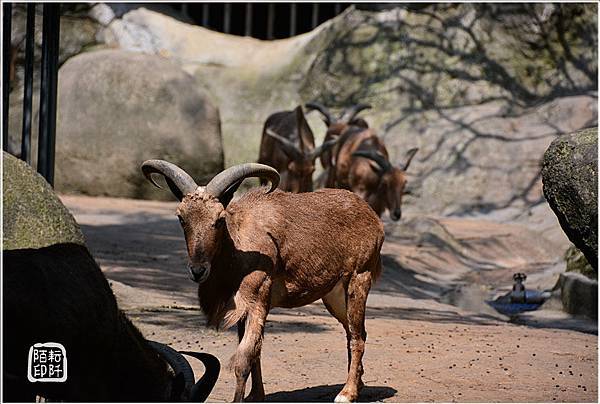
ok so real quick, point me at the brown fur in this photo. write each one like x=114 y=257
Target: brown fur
x=282 y=250
x=296 y=173
x=382 y=189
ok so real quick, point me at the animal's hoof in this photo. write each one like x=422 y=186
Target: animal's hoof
x=342 y=398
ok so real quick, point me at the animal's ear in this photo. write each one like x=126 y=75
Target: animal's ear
x=304 y=131
x=376 y=167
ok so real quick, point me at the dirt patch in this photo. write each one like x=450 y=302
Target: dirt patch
x=418 y=349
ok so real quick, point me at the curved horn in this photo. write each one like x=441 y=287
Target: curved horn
x=351 y=112
x=378 y=158
x=178 y=180
x=323 y=147
x=179 y=365
x=230 y=179
x=288 y=147
x=329 y=119
x=205 y=384
x=411 y=153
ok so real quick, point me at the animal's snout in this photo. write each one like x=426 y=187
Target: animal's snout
x=396 y=214
x=199 y=273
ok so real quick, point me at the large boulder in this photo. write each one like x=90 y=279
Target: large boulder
x=452 y=80
x=570 y=177
x=33 y=216
x=117 y=109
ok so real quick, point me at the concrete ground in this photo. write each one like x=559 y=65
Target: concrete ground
x=418 y=349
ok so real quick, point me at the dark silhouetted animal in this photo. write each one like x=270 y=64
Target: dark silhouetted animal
x=59 y=294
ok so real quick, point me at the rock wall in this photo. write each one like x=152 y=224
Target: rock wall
x=463 y=83
x=33 y=216
x=570 y=175
x=482 y=90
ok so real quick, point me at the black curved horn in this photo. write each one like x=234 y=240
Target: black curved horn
x=323 y=147
x=329 y=119
x=378 y=158
x=179 y=364
x=350 y=113
x=205 y=384
x=180 y=182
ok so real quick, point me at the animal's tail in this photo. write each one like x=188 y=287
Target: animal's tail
x=378 y=266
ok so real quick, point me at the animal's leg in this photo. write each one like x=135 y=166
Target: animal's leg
x=247 y=354
x=335 y=302
x=357 y=292
x=257 y=392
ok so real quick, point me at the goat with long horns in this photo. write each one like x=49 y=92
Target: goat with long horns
x=276 y=249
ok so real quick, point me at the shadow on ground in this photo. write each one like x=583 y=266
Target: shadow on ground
x=326 y=393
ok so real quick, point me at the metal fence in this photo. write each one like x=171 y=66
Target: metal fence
x=48 y=84
x=260 y=20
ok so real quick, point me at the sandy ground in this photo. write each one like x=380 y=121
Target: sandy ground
x=418 y=349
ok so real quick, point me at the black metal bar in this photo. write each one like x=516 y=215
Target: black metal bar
x=205 y=14
x=6 y=33
x=270 y=20
x=292 y=19
x=227 y=18
x=315 y=15
x=47 y=132
x=28 y=91
x=248 y=27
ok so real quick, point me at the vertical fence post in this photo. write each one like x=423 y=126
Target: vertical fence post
x=270 y=20
x=315 y=15
x=205 y=14
x=6 y=33
x=227 y=18
x=292 y=19
x=47 y=131
x=248 y=27
x=28 y=83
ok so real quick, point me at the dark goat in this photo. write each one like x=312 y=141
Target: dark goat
x=276 y=249
x=288 y=145
x=59 y=294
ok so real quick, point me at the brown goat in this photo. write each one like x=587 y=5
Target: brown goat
x=288 y=145
x=360 y=162
x=276 y=249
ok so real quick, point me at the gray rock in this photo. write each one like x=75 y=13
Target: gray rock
x=33 y=216
x=570 y=177
x=117 y=109
x=480 y=140
x=576 y=262
x=579 y=294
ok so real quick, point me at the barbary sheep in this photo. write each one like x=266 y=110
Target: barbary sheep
x=288 y=145
x=276 y=249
